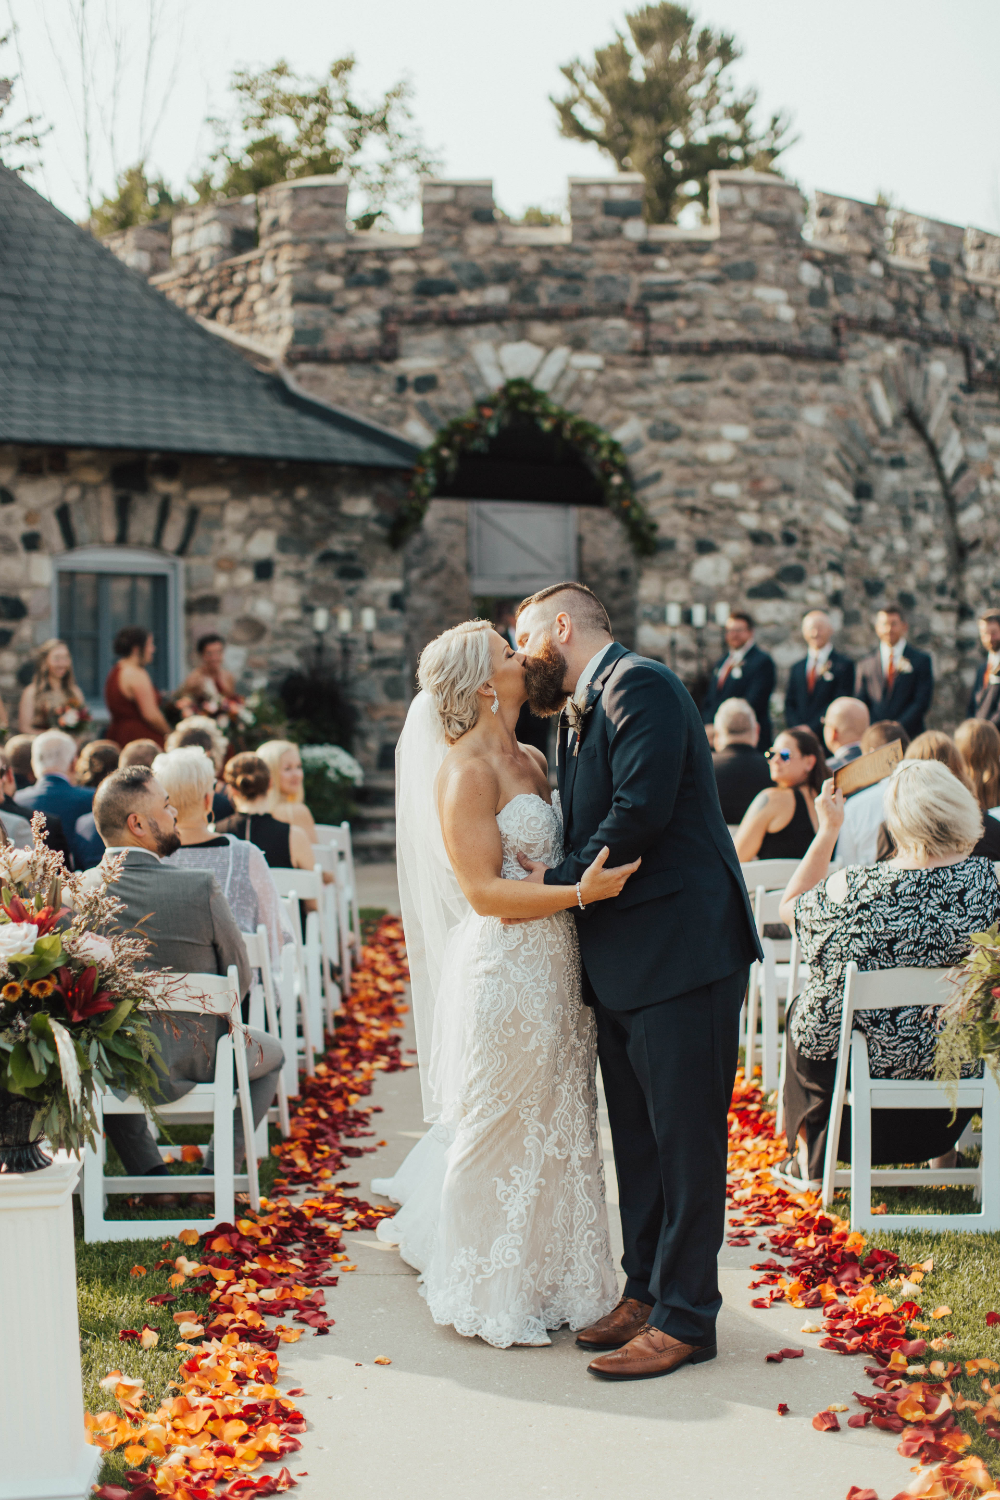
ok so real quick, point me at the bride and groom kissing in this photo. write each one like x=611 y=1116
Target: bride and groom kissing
x=544 y=931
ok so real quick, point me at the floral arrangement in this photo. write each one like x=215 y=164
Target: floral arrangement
x=336 y=763
x=73 y=716
x=969 y=1028
x=329 y=772
x=474 y=431
x=70 y=993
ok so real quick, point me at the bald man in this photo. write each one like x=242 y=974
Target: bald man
x=845 y=723
x=822 y=675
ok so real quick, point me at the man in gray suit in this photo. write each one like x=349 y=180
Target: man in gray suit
x=192 y=930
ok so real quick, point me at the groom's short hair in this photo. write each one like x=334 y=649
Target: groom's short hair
x=587 y=609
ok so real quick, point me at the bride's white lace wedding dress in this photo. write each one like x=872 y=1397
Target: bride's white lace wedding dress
x=503 y=1200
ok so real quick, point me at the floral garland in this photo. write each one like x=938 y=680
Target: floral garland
x=473 y=432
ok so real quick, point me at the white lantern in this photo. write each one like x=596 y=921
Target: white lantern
x=721 y=613
x=321 y=620
x=345 y=622
x=674 y=614
x=369 y=620
x=699 y=615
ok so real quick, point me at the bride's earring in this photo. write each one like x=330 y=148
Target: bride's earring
x=495 y=707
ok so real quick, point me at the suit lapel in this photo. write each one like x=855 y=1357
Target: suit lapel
x=614 y=654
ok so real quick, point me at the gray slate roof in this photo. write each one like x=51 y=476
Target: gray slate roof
x=93 y=357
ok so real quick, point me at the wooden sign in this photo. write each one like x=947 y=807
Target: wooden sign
x=866 y=770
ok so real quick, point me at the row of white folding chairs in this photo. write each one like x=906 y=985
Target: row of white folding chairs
x=334 y=842
x=765 y=878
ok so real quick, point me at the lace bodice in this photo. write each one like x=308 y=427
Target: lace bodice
x=530 y=826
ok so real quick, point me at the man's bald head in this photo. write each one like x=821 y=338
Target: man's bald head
x=844 y=722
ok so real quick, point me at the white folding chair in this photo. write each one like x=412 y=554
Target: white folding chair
x=308 y=886
x=795 y=976
x=332 y=916
x=772 y=874
x=295 y=1007
x=888 y=989
x=768 y=981
x=264 y=1017
x=184 y=994
x=339 y=835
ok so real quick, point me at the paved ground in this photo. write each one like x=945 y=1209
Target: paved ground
x=452 y=1419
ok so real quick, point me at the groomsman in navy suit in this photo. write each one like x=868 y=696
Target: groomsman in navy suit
x=746 y=672
x=984 y=700
x=822 y=675
x=896 y=681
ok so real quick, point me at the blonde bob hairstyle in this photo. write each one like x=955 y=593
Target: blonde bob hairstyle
x=452 y=669
x=272 y=752
x=929 y=812
x=187 y=776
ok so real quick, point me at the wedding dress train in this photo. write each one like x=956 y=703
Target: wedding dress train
x=503 y=1207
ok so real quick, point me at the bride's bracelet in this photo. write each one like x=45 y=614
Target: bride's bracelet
x=579 y=897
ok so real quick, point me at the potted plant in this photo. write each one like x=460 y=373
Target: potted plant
x=71 y=999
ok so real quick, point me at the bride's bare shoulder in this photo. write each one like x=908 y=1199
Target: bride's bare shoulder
x=467 y=777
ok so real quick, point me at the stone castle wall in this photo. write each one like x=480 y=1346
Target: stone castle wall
x=809 y=398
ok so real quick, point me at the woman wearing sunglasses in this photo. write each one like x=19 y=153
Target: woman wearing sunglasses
x=781 y=822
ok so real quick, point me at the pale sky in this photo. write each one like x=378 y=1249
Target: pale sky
x=897 y=95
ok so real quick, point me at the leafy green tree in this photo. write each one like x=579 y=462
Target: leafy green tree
x=302 y=127
x=20 y=143
x=660 y=102
x=137 y=201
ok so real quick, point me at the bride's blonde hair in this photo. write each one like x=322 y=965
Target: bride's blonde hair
x=451 y=670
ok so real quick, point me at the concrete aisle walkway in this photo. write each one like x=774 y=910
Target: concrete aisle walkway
x=452 y=1419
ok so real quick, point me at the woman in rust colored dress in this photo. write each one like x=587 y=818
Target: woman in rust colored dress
x=133 y=701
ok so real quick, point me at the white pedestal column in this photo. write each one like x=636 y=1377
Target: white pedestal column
x=43 y=1455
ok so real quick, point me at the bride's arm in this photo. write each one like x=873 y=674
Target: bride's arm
x=472 y=839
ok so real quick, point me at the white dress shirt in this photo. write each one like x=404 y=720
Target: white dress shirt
x=863 y=816
x=896 y=652
x=583 y=681
x=817 y=660
x=734 y=659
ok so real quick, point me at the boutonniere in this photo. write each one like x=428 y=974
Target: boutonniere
x=993 y=679
x=736 y=673
x=827 y=676
x=576 y=714
x=904 y=666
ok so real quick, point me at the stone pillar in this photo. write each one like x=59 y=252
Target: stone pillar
x=303 y=210
x=928 y=239
x=846 y=224
x=202 y=237
x=41 y=1392
x=754 y=207
x=982 y=253
x=607 y=208
x=458 y=211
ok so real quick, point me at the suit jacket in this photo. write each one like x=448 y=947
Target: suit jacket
x=984 y=701
x=193 y=931
x=57 y=797
x=911 y=694
x=753 y=680
x=642 y=782
x=740 y=773
x=835 y=681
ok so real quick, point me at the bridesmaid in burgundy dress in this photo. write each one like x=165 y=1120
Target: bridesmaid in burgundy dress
x=133 y=702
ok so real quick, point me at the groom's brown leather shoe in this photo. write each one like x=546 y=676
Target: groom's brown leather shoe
x=617 y=1326
x=650 y=1353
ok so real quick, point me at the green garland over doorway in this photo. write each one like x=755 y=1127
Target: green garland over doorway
x=474 y=430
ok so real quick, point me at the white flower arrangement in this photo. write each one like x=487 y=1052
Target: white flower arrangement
x=339 y=765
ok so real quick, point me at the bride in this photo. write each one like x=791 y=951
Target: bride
x=503 y=1200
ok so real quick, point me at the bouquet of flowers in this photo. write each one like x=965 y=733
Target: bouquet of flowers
x=74 y=716
x=969 y=1029
x=329 y=774
x=70 y=994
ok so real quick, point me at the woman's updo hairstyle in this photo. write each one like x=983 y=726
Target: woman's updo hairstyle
x=248 y=776
x=452 y=669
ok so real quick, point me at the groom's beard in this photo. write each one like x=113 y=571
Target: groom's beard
x=544 y=675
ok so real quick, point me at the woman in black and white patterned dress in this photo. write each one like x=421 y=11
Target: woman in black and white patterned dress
x=918 y=910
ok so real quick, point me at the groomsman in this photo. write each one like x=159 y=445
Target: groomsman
x=896 y=681
x=746 y=672
x=822 y=675
x=984 y=700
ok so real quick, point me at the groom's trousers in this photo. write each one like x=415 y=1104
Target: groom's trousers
x=668 y=1072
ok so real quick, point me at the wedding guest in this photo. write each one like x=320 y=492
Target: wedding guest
x=209 y=685
x=935 y=745
x=780 y=823
x=896 y=681
x=17 y=755
x=917 y=910
x=741 y=770
x=978 y=743
x=820 y=677
x=984 y=700
x=139 y=753
x=52 y=700
x=284 y=845
x=18 y=827
x=133 y=701
x=18 y=752
x=53 y=754
x=845 y=723
x=745 y=672
x=863 y=811
x=193 y=931
x=188 y=778
x=95 y=762
x=200 y=730
x=288 y=805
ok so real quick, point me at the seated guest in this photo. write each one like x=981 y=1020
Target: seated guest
x=984 y=700
x=53 y=754
x=285 y=845
x=188 y=778
x=918 y=910
x=746 y=672
x=858 y=842
x=18 y=827
x=780 y=823
x=821 y=676
x=192 y=930
x=741 y=769
x=845 y=723
x=934 y=744
x=202 y=731
x=896 y=681
x=18 y=752
x=139 y=753
x=288 y=805
x=95 y=761
x=978 y=743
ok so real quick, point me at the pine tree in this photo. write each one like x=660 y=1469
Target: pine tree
x=137 y=201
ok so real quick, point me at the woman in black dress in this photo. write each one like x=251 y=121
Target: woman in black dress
x=780 y=823
x=284 y=846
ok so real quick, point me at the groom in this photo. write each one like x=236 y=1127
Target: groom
x=665 y=964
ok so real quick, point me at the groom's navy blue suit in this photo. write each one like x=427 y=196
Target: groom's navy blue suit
x=665 y=964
